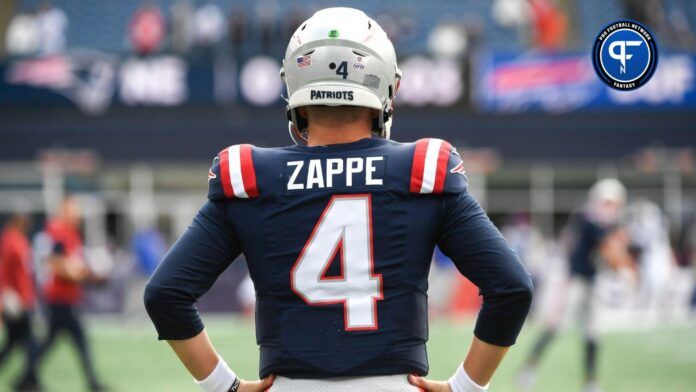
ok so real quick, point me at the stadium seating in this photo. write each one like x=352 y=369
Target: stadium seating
x=102 y=25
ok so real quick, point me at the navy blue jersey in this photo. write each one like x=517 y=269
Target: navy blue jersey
x=588 y=236
x=339 y=241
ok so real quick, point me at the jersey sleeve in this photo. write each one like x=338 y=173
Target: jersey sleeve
x=437 y=168
x=232 y=175
x=188 y=270
x=482 y=255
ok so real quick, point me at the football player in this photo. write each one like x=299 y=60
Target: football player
x=594 y=239
x=67 y=271
x=338 y=232
x=18 y=295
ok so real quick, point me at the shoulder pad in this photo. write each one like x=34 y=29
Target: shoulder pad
x=232 y=174
x=436 y=168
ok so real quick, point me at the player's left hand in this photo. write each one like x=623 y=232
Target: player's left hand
x=428 y=385
x=256 y=386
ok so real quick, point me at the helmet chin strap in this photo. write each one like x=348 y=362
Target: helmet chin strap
x=386 y=129
x=297 y=127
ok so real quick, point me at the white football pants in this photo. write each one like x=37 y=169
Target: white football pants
x=398 y=383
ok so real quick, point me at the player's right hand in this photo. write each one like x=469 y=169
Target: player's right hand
x=428 y=385
x=256 y=386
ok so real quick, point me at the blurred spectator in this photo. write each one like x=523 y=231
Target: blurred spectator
x=639 y=9
x=246 y=293
x=687 y=252
x=182 y=25
x=266 y=17
x=406 y=22
x=671 y=27
x=18 y=296
x=53 y=23
x=209 y=25
x=550 y=25
x=237 y=29
x=511 y=13
x=593 y=239
x=543 y=22
x=149 y=248
x=63 y=291
x=390 y=25
x=23 y=35
x=441 y=283
x=448 y=40
x=528 y=242
x=295 y=17
x=146 y=29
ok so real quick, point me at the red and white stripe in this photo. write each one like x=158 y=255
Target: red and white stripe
x=237 y=172
x=430 y=166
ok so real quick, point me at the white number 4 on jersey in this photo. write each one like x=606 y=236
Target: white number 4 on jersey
x=345 y=226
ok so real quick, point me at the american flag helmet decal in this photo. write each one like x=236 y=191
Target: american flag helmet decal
x=304 y=61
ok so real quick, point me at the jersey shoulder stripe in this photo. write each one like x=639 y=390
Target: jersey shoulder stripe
x=237 y=176
x=429 y=167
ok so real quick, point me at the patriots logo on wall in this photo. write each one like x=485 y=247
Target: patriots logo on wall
x=85 y=77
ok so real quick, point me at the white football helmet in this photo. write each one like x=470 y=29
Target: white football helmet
x=607 y=198
x=337 y=57
x=608 y=189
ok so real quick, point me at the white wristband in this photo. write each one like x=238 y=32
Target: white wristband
x=220 y=380
x=461 y=382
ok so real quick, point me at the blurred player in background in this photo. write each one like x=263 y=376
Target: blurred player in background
x=338 y=243
x=67 y=271
x=649 y=231
x=18 y=296
x=594 y=239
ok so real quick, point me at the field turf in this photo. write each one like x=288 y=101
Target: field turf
x=130 y=359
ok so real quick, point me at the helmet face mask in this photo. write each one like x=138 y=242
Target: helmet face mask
x=338 y=57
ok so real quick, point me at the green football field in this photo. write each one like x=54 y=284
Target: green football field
x=130 y=359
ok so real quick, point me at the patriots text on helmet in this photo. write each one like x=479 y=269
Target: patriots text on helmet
x=323 y=94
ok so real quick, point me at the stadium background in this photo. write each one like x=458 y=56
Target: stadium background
x=125 y=103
